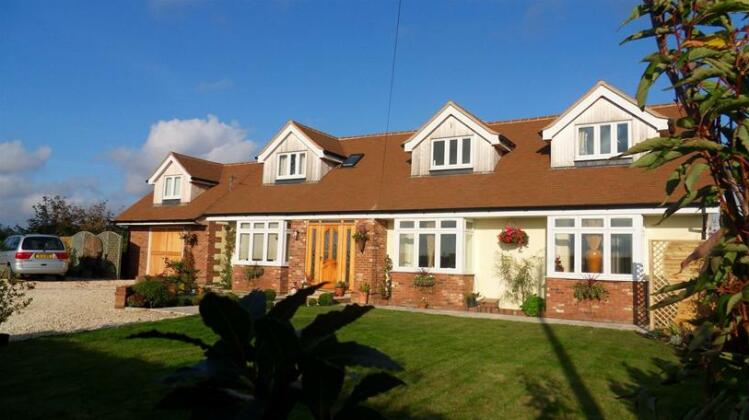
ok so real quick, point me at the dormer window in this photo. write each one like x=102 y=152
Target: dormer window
x=172 y=187
x=602 y=141
x=292 y=165
x=451 y=154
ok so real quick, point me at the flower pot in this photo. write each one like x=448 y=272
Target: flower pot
x=339 y=291
x=594 y=257
x=363 y=298
x=4 y=339
x=361 y=243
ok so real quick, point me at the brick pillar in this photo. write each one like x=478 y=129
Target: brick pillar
x=137 y=252
x=297 y=252
x=369 y=265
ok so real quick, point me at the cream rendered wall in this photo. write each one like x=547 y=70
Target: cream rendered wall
x=563 y=144
x=185 y=185
x=483 y=155
x=315 y=170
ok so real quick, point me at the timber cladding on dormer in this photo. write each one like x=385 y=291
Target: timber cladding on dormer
x=179 y=179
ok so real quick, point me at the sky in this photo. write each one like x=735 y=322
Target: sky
x=94 y=94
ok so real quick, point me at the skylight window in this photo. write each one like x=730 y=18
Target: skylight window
x=352 y=160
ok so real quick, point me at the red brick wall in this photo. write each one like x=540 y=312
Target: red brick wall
x=626 y=302
x=137 y=252
x=201 y=251
x=274 y=277
x=369 y=265
x=297 y=252
x=447 y=293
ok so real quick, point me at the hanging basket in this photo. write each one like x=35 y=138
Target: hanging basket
x=512 y=235
x=361 y=239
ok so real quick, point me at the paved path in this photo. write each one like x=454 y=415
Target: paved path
x=67 y=306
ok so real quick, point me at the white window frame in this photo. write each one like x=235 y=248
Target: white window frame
x=301 y=170
x=459 y=230
x=174 y=194
x=637 y=246
x=447 y=166
x=597 y=155
x=281 y=230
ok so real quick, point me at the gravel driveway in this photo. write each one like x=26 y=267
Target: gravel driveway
x=65 y=306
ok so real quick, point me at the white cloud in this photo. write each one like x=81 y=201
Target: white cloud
x=206 y=138
x=15 y=158
x=214 y=86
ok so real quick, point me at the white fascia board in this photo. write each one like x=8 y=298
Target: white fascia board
x=602 y=91
x=154 y=223
x=169 y=159
x=460 y=115
x=463 y=214
x=289 y=128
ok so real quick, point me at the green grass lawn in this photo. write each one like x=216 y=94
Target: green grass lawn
x=454 y=368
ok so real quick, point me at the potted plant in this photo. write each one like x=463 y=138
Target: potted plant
x=513 y=235
x=471 y=299
x=424 y=279
x=424 y=303
x=364 y=294
x=360 y=237
x=340 y=288
x=253 y=272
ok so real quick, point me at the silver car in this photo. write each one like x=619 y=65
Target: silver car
x=34 y=254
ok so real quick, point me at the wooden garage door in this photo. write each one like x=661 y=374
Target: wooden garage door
x=165 y=245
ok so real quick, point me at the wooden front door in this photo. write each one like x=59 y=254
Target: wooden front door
x=330 y=253
x=166 y=245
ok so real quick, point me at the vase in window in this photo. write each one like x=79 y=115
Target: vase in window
x=594 y=256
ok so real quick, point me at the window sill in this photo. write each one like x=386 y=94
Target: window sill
x=409 y=270
x=260 y=263
x=601 y=277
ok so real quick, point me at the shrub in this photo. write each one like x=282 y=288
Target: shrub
x=520 y=276
x=270 y=295
x=340 y=285
x=533 y=305
x=311 y=302
x=13 y=297
x=154 y=292
x=136 y=301
x=326 y=299
x=424 y=279
x=184 y=275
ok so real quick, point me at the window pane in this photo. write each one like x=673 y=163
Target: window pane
x=273 y=225
x=286 y=247
x=449 y=224
x=258 y=225
x=466 y=157
x=564 y=222
x=177 y=187
x=257 y=247
x=622 y=137
x=292 y=164
x=592 y=252
x=272 y=246
x=168 y=187
x=439 y=153
x=621 y=222
x=605 y=140
x=426 y=250
x=407 y=224
x=585 y=140
x=244 y=246
x=468 y=262
x=447 y=250
x=453 y=152
x=283 y=169
x=406 y=250
x=564 y=252
x=592 y=222
x=427 y=224
x=621 y=253
x=302 y=168
x=244 y=225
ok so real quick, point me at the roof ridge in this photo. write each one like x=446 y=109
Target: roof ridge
x=248 y=162
x=315 y=130
x=383 y=133
x=196 y=158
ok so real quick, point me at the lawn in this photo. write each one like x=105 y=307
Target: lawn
x=454 y=368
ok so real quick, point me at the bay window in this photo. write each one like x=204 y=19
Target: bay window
x=594 y=246
x=292 y=165
x=434 y=244
x=451 y=153
x=262 y=243
x=602 y=141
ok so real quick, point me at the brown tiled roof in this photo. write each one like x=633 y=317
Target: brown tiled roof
x=382 y=182
x=329 y=143
x=200 y=168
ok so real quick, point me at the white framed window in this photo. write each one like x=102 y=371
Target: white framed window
x=453 y=153
x=262 y=242
x=437 y=245
x=292 y=165
x=172 y=187
x=602 y=141
x=604 y=247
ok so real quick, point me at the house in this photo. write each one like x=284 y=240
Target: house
x=435 y=198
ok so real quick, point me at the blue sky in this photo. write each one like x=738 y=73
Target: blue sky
x=93 y=93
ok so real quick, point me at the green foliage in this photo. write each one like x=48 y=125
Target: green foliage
x=533 y=305
x=12 y=295
x=424 y=279
x=270 y=295
x=701 y=47
x=326 y=299
x=386 y=288
x=56 y=216
x=183 y=275
x=154 y=293
x=90 y=267
x=471 y=299
x=311 y=302
x=253 y=272
x=340 y=285
x=589 y=289
x=520 y=276
x=261 y=367
x=364 y=288
x=227 y=270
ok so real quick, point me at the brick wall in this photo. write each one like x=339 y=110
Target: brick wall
x=626 y=302
x=447 y=293
x=201 y=251
x=274 y=277
x=369 y=265
x=137 y=252
x=297 y=252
